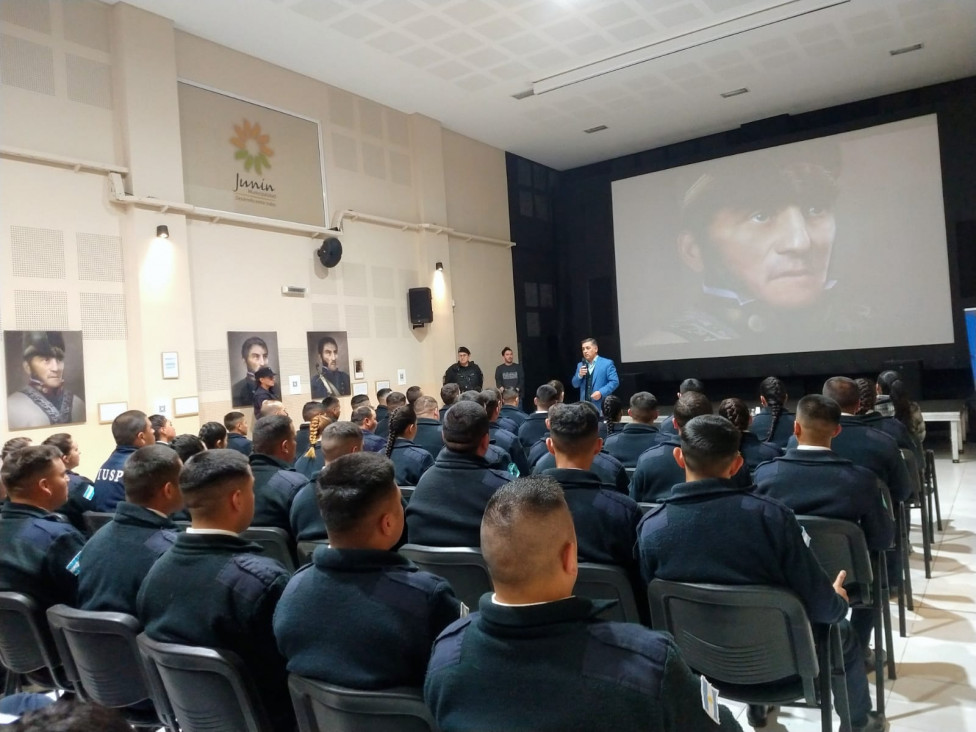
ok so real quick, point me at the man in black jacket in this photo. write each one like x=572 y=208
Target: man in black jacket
x=534 y=643
x=465 y=373
x=275 y=481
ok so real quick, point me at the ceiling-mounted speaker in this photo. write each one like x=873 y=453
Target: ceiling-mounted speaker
x=330 y=252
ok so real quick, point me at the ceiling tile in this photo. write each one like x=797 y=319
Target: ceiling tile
x=459 y=43
x=611 y=13
x=394 y=11
x=863 y=21
x=724 y=59
x=356 y=26
x=511 y=70
x=678 y=15
x=872 y=36
x=826 y=49
x=817 y=33
x=547 y=60
x=450 y=69
x=770 y=46
x=422 y=57
x=319 y=9
x=392 y=42
x=524 y=43
x=588 y=45
x=566 y=29
x=428 y=27
x=469 y=11
x=498 y=29
x=631 y=31
x=486 y=57
x=475 y=82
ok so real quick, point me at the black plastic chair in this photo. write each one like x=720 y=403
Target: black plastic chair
x=322 y=707
x=94 y=520
x=840 y=545
x=208 y=690
x=754 y=643
x=407 y=491
x=645 y=507
x=921 y=501
x=27 y=649
x=608 y=582
x=99 y=650
x=276 y=543
x=463 y=567
x=932 y=489
x=307 y=548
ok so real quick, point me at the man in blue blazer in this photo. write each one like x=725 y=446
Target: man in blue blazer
x=595 y=377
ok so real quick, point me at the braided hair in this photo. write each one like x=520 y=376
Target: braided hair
x=317 y=424
x=736 y=411
x=613 y=409
x=400 y=420
x=773 y=390
x=866 y=391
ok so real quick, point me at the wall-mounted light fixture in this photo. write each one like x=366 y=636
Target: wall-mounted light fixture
x=162 y=231
x=439 y=266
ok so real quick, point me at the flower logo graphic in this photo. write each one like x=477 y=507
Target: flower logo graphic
x=252 y=146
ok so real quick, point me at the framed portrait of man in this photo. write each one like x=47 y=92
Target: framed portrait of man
x=45 y=378
x=328 y=361
x=249 y=351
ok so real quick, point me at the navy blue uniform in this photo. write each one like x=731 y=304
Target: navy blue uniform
x=713 y=531
x=109 y=490
x=515 y=414
x=610 y=470
x=897 y=431
x=239 y=442
x=657 y=472
x=81 y=498
x=449 y=502
x=383 y=421
x=216 y=591
x=755 y=452
x=310 y=467
x=275 y=486
x=509 y=425
x=305 y=518
x=510 y=444
x=115 y=560
x=260 y=396
x=428 y=436
x=784 y=427
x=628 y=444
x=532 y=429
x=38 y=555
x=371 y=596
x=303 y=439
x=500 y=459
x=556 y=667
x=373 y=442
x=667 y=428
x=409 y=461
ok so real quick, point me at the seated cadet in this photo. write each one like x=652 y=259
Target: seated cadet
x=271 y=408
x=669 y=428
x=364 y=417
x=393 y=401
x=511 y=409
x=868 y=390
x=449 y=395
x=38 y=553
x=309 y=412
x=163 y=429
x=503 y=437
x=409 y=460
x=338 y=439
x=214 y=435
x=361 y=615
x=116 y=559
x=236 y=425
x=637 y=436
x=612 y=412
x=657 y=470
x=275 y=481
x=214 y=589
x=713 y=531
x=447 y=505
x=538 y=658
x=813 y=480
x=413 y=394
x=606 y=521
x=382 y=411
x=753 y=451
x=611 y=471
x=310 y=462
x=131 y=431
x=81 y=492
x=774 y=423
x=428 y=425
x=534 y=426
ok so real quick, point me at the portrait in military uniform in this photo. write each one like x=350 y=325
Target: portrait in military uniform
x=328 y=360
x=247 y=352
x=45 y=378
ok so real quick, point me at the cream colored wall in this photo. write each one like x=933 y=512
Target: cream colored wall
x=209 y=278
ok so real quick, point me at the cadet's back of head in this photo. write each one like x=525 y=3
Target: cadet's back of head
x=490 y=399
x=360 y=502
x=709 y=445
x=382 y=394
x=233 y=420
x=465 y=427
x=187 y=445
x=691 y=385
x=736 y=411
x=510 y=396
x=312 y=409
x=545 y=397
x=341 y=438
x=450 y=393
x=395 y=399
x=209 y=477
x=843 y=390
x=358 y=400
x=690 y=405
x=818 y=416
x=362 y=413
x=559 y=388
x=148 y=470
x=132 y=427
x=426 y=407
x=526 y=531
x=271 y=432
x=413 y=394
x=214 y=435
x=23 y=469
x=574 y=429
x=271 y=408
x=643 y=407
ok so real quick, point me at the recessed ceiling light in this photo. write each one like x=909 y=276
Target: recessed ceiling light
x=524 y=94
x=907 y=49
x=734 y=93
x=598 y=128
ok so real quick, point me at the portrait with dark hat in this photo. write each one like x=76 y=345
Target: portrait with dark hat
x=45 y=378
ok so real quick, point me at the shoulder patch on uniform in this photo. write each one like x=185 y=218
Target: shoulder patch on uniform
x=447 y=647
x=89 y=492
x=74 y=566
x=249 y=575
x=626 y=654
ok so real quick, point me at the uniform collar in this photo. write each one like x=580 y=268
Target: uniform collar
x=132 y=514
x=260 y=459
x=359 y=560
x=572 y=478
x=25 y=510
x=705 y=487
x=544 y=619
x=207 y=543
x=448 y=458
x=640 y=427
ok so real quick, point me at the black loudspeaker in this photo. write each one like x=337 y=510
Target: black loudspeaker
x=421 y=306
x=330 y=252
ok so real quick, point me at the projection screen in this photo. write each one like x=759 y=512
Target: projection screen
x=827 y=244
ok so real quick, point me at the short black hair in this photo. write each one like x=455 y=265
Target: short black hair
x=489 y=398
x=471 y=395
x=323 y=341
x=26 y=465
x=709 y=444
x=395 y=399
x=157 y=422
x=127 y=426
x=558 y=387
x=413 y=394
x=691 y=385
x=818 y=408
x=271 y=431
x=233 y=419
x=358 y=400
x=250 y=343
x=147 y=470
x=72 y=716
x=546 y=396
x=382 y=393
x=312 y=409
x=589 y=339
x=691 y=404
x=327 y=403
x=465 y=424
x=210 y=475
x=337 y=436
x=464 y=349
x=450 y=393
x=13 y=445
x=506 y=348
x=643 y=406
x=574 y=428
x=424 y=404
x=361 y=414
x=60 y=440
x=186 y=446
x=842 y=390
x=350 y=487
x=509 y=393
x=212 y=433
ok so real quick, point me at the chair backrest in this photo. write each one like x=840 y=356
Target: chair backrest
x=608 y=582
x=840 y=545
x=322 y=707
x=406 y=491
x=26 y=644
x=463 y=567
x=275 y=542
x=208 y=690
x=738 y=636
x=307 y=548
x=914 y=475
x=645 y=507
x=94 y=520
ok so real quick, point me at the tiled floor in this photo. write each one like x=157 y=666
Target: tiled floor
x=936 y=667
